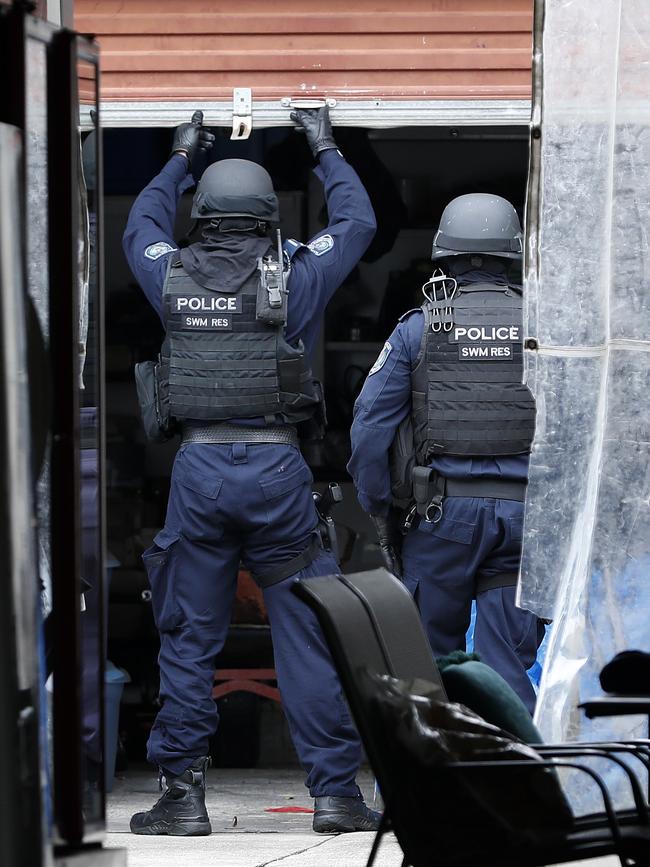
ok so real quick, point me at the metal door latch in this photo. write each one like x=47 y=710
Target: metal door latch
x=242 y=108
x=294 y=102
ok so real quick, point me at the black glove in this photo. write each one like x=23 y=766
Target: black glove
x=189 y=138
x=390 y=542
x=317 y=126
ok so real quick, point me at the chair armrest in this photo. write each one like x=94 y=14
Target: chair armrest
x=642 y=744
x=637 y=793
x=607 y=802
x=640 y=750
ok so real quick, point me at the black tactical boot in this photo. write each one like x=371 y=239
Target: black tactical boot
x=180 y=812
x=332 y=814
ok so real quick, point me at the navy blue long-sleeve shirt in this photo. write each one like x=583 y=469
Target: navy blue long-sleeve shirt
x=383 y=404
x=317 y=269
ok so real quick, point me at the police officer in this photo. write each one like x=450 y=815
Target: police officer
x=241 y=323
x=448 y=382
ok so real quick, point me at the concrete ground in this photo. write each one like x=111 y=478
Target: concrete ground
x=244 y=833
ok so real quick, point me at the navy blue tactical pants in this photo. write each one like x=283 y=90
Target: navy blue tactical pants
x=476 y=537
x=248 y=503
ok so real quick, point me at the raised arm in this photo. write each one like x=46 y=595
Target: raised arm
x=319 y=267
x=149 y=235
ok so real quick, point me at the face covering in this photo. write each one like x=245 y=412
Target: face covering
x=224 y=259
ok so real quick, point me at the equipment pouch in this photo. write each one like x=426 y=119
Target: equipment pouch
x=271 y=305
x=402 y=461
x=156 y=429
x=313 y=429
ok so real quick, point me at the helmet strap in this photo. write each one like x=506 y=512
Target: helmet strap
x=260 y=227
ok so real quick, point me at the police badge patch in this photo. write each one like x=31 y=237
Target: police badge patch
x=382 y=359
x=155 y=251
x=321 y=245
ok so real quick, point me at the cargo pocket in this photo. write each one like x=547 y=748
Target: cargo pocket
x=515 y=529
x=290 y=509
x=196 y=477
x=450 y=529
x=160 y=563
x=285 y=482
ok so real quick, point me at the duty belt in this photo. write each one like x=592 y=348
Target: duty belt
x=234 y=433
x=430 y=490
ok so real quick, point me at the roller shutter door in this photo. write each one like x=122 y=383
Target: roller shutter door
x=436 y=56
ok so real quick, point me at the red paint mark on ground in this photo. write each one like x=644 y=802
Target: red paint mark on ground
x=288 y=810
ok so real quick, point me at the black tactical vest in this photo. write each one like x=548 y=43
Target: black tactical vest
x=220 y=361
x=468 y=395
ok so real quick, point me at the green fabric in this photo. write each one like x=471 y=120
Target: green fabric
x=469 y=681
x=457 y=657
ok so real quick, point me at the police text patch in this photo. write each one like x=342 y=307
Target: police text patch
x=381 y=359
x=484 y=333
x=485 y=342
x=206 y=323
x=321 y=245
x=485 y=352
x=202 y=304
x=155 y=251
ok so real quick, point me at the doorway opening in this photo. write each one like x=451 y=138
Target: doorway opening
x=410 y=174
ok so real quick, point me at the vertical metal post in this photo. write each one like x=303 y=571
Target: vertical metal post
x=65 y=480
x=21 y=838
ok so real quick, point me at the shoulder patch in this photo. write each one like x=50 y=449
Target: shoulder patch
x=322 y=245
x=155 y=251
x=382 y=358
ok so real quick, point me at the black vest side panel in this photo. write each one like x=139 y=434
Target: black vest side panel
x=220 y=362
x=468 y=396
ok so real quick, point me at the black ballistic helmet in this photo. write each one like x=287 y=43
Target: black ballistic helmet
x=478 y=223
x=235 y=188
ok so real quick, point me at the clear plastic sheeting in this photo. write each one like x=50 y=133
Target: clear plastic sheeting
x=37 y=243
x=586 y=561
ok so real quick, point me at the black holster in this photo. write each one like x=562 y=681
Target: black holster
x=402 y=460
x=324 y=503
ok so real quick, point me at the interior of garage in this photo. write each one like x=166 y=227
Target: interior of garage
x=410 y=174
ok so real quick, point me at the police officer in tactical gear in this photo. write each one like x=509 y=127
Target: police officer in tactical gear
x=241 y=319
x=444 y=425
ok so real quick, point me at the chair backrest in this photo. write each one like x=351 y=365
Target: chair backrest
x=396 y=623
x=372 y=625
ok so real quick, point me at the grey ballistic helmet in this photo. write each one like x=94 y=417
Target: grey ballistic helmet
x=478 y=223
x=235 y=188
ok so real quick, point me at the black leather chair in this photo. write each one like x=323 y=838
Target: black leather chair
x=372 y=627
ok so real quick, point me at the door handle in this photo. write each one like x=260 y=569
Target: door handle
x=297 y=102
